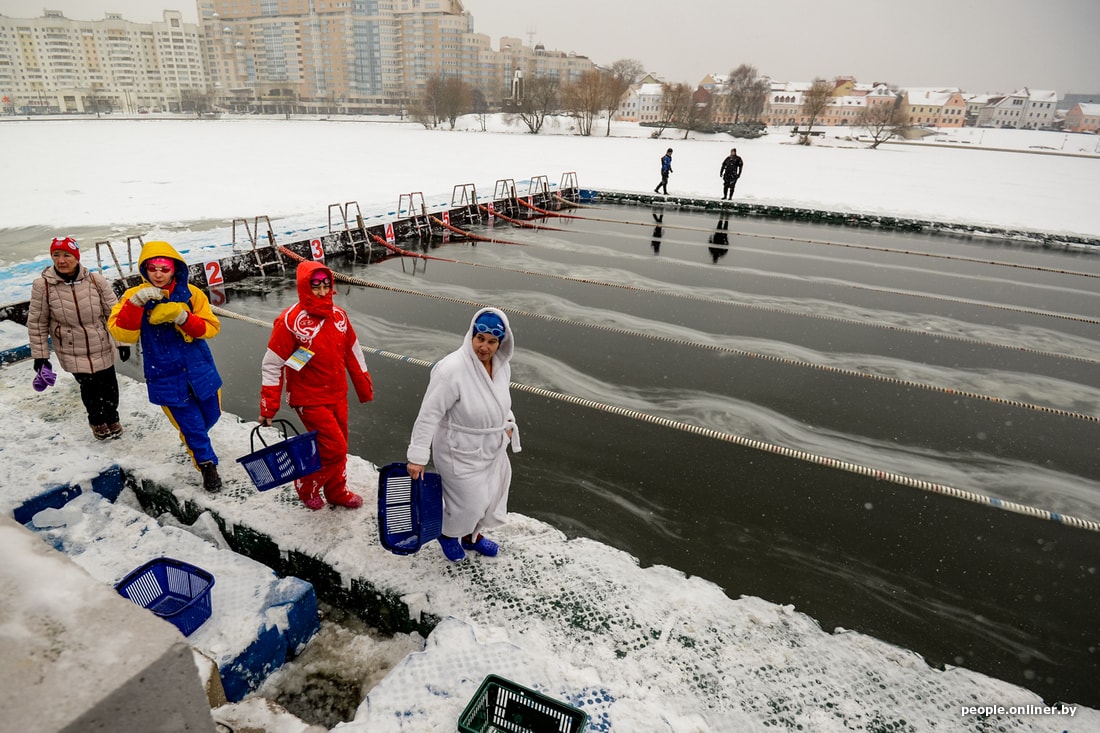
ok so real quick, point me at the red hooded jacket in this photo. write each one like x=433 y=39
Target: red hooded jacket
x=314 y=324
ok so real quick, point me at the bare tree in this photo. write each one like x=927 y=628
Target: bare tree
x=884 y=120
x=540 y=99
x=698 y=113
x=427 y=110
x=454 y=100
x=746 y=95
x=676 y=106
x=479 y=105
x=583 y=99
x=629 y=70
x=616 y=84
x=814 y=102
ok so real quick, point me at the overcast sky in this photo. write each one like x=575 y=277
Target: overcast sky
x=978 y=45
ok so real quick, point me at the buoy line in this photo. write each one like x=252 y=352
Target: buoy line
x=750 y=306
x=744 y=442
x=1077 y=318
x=826 y=242
x=724 y=349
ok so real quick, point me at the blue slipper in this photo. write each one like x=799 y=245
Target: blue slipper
x=483 y=546
x=452 y=549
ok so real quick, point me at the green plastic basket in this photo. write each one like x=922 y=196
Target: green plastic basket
x=502 y=706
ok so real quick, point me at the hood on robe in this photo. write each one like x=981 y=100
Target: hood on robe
x=315 y=305
x=507 y=344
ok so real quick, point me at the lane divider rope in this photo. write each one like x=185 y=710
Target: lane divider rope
x=1077 y=318
x=734 y=304
x=1003 y=401
x=750 y=443
x=828 y=243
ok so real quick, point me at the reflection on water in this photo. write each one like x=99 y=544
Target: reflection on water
x=771 y=348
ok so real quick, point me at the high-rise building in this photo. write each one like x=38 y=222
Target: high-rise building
x=54 y=64
x=358 y=56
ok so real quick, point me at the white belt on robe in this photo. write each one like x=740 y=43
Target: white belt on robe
x=516 y=447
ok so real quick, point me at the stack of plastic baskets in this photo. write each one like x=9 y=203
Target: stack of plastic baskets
x=410 y=513
x=174 y=590
x=501 y=706
x=290 y=459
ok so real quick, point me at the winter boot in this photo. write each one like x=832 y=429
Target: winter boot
x=115 y=430
x=482 y=546
x=348 y=499
x=452 y=548
x=101 y=432
x=211 y=481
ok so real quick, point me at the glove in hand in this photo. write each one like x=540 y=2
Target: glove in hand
x=124 y=353
x=39 y=363
x=169 y=313
x=143 y=296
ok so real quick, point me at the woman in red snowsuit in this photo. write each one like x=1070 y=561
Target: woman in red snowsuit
x=312 y=344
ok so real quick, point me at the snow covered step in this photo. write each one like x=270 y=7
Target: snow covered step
x=257 y=620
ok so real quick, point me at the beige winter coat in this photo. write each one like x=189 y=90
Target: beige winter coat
x=74 y=317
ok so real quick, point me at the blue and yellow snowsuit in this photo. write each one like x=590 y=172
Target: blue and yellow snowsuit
x=180 y=374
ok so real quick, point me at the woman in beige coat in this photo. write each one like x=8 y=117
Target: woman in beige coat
x=68 y=310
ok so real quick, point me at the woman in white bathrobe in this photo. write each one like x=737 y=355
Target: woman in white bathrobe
x=466 y=421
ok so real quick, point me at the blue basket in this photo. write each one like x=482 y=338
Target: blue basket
x=410 y=513
x=501 y=705
x=176 y=591
x=290 y=459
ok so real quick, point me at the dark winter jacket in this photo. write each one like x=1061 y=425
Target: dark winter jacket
x=731 y=167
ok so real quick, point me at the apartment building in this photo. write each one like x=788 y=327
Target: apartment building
x=1083 y=117
x=1024 y=109
x=336 y=56
x=55 y=64
x=936 y=107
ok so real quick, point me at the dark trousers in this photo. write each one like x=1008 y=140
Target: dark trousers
x=728 y=185
x=99 y=393
x=663 y=184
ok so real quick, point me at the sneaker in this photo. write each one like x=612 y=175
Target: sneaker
x=115 y=429
x=314 y=502
x=101 y=432
x=211 y=481
x=348 y=499
x=483 y=546
x=452 y=548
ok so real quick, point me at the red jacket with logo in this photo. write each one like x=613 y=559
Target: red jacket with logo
x=314 y=325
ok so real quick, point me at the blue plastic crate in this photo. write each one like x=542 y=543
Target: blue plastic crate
x=502 y=706
x=277 y=464
x=176 y=591
x=410 y=513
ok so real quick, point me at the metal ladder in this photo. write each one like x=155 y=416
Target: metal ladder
x=464 y=199
x=504 y=197
x=538 y=189
x=129 y=253
x=569 y=189
x=420 y=222
x=275 y=259
x=356 y=236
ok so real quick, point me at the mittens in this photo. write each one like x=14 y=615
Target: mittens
x=124 y=353
x=143 y=296
x=169 y=313
x=44 y=378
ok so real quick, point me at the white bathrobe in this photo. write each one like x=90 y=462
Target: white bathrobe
x=464 y=420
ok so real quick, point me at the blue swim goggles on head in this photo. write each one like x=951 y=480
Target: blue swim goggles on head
x=497 y=331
